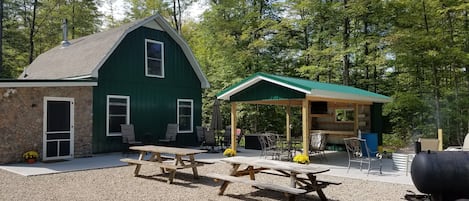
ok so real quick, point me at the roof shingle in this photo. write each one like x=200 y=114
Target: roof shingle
x=84 y=56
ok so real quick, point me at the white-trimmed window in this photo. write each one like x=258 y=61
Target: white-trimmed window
x=154 y=58
x=117 y=113
x=185 y=115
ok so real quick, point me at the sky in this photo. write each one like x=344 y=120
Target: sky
x=118 y=9
x=193 y=11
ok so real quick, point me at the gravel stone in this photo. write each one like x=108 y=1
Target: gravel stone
x=119 y=184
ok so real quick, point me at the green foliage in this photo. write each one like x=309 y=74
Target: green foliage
x=415 y=51
x=407 y=115
x=172 y=10
x=429 y=41
x=138 y=9
x=392 y=50
x=23 y=31
x=393 y=142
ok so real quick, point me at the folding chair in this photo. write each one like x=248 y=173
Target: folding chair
x=128 y=136
x=171 y=134
x=358 y=152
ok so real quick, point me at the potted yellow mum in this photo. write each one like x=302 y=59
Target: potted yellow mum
x=229 y=152
x=30 y=156
x=301 y=158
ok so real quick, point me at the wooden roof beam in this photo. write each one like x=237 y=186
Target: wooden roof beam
x=312 y=98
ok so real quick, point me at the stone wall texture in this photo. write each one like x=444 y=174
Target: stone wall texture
x=21 y=120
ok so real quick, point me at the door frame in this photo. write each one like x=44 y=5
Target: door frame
x=72 y=127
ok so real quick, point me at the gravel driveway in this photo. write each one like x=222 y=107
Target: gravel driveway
x=120 y=184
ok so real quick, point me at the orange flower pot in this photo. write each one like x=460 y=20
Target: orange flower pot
x=31 y=160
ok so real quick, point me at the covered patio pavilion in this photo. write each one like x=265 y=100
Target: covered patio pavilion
x=269 y=89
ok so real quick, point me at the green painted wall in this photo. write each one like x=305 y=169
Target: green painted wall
x=377 y=121
x=153 y=101
x=264 y=90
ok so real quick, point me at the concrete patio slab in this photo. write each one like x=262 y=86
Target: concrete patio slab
x=77 y=164
x=337 y=162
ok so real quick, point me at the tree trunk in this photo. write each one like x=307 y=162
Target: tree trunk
x=31 y=32
x=466 y=42
x=175 y=17
x=73 y=19
x=436 y=81
x=1 y=37
x=306 y=38
x=437 y=95
x=366 y=52
x=346 y=59
x=180 y=17
x=425 y=15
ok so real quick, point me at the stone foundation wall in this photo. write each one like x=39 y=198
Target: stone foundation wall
x=21 y=120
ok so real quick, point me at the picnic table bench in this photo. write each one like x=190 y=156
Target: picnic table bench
x=298 y=184
x=264 y=185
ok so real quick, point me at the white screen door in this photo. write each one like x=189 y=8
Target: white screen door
x=58 y=128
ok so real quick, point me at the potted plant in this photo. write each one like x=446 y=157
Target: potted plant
x=30 y=156
x=229 y=152
x=301 y=158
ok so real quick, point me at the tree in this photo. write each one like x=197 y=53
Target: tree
x=15 y=49
x=30 y=19
x=32 y=27
x=1 y=36
x=231 y=44
x=109 y=20
x=83 y=17
x=407 y=111
x=171 y=10
x=430 y=57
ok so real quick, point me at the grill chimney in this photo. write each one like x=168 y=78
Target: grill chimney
x=65 y=42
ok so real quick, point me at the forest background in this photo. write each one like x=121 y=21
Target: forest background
x=415 y=51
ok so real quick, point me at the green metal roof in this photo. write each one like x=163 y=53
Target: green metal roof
x=308 y=87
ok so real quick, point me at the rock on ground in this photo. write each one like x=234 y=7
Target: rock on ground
x=120 y=184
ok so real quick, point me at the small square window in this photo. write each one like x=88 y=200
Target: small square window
x=154 y=58
x=344 y=115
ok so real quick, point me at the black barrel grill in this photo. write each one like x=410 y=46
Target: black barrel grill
x=442 y=174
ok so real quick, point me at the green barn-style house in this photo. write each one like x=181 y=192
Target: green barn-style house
x=72 y=99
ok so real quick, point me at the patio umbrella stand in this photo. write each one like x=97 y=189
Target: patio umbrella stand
x=215 y=123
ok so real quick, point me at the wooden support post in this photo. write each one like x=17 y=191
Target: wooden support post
x=440 y=139
x=305 y=123
x=172 y=173
x=251 y=173
x=293 y=180
x=194 y=167
x=355 y=119
x=233 y=126
x=288 y=123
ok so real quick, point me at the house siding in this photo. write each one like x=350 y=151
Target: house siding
x=21 y=122
x=153 y=101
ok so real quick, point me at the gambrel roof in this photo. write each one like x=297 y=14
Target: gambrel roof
x=84 y=56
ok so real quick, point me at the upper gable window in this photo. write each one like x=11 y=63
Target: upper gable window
x=154 y=58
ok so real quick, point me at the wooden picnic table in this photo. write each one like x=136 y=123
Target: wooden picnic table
x=156 y=159
x=302 y=177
